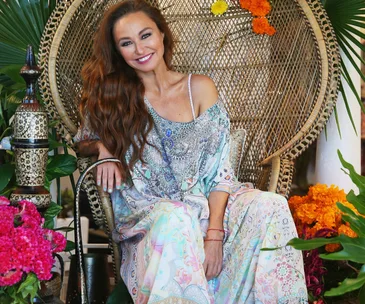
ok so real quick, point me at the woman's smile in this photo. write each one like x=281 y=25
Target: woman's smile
x=144 y=59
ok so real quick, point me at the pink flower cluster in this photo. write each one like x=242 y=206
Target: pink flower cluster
x=24 y=245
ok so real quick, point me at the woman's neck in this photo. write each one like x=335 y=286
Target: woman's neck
x=158 y=80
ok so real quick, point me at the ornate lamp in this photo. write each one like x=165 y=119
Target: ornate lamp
x=30 y=141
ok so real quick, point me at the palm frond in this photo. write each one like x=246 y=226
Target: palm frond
x=337 y=123
x=342 y=90
x=347 y=17
x=22 y=23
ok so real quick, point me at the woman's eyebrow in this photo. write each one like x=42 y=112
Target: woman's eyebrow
x=146 y=28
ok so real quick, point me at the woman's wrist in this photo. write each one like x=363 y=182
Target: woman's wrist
x=103 y=152
x=213 y=233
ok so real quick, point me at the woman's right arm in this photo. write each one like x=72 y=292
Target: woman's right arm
x=88 y=148
x=108 y=175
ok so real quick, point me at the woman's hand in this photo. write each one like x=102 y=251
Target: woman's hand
x=108 y=174
x=213 y=254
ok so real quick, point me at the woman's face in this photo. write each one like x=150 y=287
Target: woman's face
x=139 y=41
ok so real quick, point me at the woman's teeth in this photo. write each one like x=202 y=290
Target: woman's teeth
x=145 y=58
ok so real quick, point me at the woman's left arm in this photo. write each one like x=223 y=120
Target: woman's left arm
x=215 y=234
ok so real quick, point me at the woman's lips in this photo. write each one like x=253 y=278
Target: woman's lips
x=144 y=59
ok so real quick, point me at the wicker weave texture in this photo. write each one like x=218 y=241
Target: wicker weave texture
x=274 y=87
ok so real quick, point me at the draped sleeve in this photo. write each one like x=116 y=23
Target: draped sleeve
x=219 y=173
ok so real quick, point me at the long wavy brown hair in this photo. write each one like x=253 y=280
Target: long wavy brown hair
x=113 y=94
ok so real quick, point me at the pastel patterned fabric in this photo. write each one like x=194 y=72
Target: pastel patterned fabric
x=162 y=217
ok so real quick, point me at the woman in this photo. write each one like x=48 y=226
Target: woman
x=188 y=230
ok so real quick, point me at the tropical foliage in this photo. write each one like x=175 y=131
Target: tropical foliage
x=348 y=21
x=352 y=248
x=22 y=23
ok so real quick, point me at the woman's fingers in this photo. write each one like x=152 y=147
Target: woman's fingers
x=118 y=178
x=105 y=178
x=99 y=172
x=108 y=176
x=205 y=267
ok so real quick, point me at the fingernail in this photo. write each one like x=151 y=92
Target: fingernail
x=118 y=187
x=110 y=190
x=99 y=184
x=104 y=189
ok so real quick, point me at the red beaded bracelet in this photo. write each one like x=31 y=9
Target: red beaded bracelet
x=221 y=230
x=212 y=240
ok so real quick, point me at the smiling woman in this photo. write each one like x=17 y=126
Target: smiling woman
x=188 y=230
x=142 y=49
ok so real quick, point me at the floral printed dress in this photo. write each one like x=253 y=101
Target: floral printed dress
x=162 y=218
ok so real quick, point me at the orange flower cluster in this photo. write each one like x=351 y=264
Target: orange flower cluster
x=262 y=26
x=317 y=211
x=259 y=9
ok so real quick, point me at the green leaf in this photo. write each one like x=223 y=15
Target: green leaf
x=5 y=299
x=338 y=122
x=7 y=172
x=64 y=229
x=21 y=23
x=60 y=165
x=362 y=295
x=357 y=179
x=353 y=249
x=70 y=246
x=357 y=200
x=357 y=223
x=353 y=88
x=348 y=110
x=52 y=211
x=29 y=287
x=301 y=244
x=12 y=71
x=348 y=285
x=120 y=294
x=53 y=144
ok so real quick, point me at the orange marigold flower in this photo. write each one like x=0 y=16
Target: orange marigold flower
x=346 y=230
x=332 y=247
x=296 y=201
x=260 y=8
x=245 y=4
x=261 y=26
x=307 y=213
x=318 y=210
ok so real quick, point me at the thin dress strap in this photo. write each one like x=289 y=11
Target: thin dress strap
x=190 y=96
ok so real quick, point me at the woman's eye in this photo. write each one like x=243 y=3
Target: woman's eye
x=123 y=44
x=144 y=36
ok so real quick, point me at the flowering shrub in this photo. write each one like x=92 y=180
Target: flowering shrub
x=317 y=214
x=26 y=249
x=327 y=217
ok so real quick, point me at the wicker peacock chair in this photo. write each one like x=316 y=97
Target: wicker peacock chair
x=281 y=89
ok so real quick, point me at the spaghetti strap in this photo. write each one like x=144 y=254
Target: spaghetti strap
x=190 y=96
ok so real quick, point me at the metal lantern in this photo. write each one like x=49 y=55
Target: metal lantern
x=30 y=141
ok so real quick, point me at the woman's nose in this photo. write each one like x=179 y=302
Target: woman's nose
x=139 y=48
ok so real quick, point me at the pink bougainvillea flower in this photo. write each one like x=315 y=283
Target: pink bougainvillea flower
x=11 y=277
x=4 y=201
x=24 y=245
x=58 y=241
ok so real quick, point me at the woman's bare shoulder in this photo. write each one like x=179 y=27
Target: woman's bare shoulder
x=204 y=92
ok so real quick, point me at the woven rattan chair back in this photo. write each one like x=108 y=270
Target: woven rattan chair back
x=281 y=89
